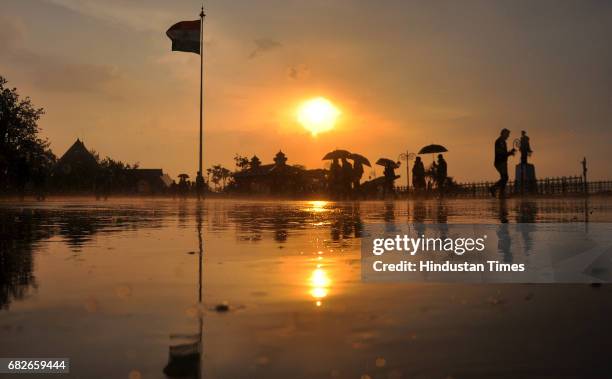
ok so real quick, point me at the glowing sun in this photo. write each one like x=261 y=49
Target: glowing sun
x=317 y=115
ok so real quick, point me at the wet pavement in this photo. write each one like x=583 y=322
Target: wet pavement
x=275 y=287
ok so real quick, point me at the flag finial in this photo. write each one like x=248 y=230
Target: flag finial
x=202 y=12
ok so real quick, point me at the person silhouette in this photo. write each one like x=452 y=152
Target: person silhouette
x=501 y=163
x=357 y=174
x=441 y=172
x=335 y=173
x=346 y=177
x=418 y=174
x=524 y=147
x=389 y=174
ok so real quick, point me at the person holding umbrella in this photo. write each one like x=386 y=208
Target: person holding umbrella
x=439 y=169
x=358 y=162
x=441 y=172
x=335 y=171
x=389 y=174
x=346 y=178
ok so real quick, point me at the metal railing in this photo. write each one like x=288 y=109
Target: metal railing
x=565 y=185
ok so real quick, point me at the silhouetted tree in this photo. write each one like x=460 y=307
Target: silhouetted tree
x=24 y=156
x=242 y=163
x=220 y=175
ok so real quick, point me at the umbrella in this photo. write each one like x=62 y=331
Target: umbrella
x=432 y=149
x=337 y=154
x=386 y=162
x=185 y=176
x=360 y=158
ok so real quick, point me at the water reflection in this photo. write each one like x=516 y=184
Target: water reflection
x=22 y=228
x=319 y=284
x=185 y=353
x=156 y=263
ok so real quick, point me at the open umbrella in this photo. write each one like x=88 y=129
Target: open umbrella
x=183 y=176
x=387 y=162
x=337 y=154
x=360 y=158
x=432 y=149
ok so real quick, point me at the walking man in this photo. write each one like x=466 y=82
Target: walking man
x=501 y=163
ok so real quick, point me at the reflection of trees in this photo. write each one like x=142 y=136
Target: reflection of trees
x=18 y=233
x=21 y=230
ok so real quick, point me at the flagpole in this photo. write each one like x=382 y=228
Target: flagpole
x=200 y=178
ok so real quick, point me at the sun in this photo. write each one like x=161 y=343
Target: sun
x=317 y=115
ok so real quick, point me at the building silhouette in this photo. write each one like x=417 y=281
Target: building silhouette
x=79 y=171
x=76 y=170
x=279 y=178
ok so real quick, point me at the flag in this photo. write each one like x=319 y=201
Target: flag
x=185 y=36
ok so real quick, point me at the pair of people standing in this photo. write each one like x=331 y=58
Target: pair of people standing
x=439 y=171
x=501 y=159
x=345 y=178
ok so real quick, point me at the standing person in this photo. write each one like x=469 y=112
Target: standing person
x=389 y=178
x=418 y=174
x=357 y=174
x=441 y=172
x=501 y=163
x=335 y=172
x=346 y=178
x=524 y=147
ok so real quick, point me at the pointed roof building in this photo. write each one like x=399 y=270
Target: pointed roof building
x=78 y=153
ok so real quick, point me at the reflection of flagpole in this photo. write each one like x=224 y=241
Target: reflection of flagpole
x=200 y=178
x=200 y=253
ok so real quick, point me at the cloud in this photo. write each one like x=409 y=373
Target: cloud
x=68 y=77
x=12 y=32
x=48 y=72
x=135 y=15
x=298 y=72
x=263 y=45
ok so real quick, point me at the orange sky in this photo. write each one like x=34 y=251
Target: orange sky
x=403 y=75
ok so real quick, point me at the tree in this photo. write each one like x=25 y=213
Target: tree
x=242 y=163
x=219 y=175
x=24 y=156
x=225 y=174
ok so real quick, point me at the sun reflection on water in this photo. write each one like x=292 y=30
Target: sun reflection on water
x=319 y=284
x=317 y=206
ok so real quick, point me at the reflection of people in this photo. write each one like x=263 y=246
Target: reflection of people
x=524 y=147
x=526 y=217
x=501 y=163
x=418 y=174
x=504 y=241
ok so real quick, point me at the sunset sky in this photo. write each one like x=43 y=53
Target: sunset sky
x=402 y=74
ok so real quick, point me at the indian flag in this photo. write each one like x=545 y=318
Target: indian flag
x=185 y=36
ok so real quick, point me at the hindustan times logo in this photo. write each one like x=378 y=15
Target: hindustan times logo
x=407 y=244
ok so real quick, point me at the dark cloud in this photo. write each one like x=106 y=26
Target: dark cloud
x=263 y=45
